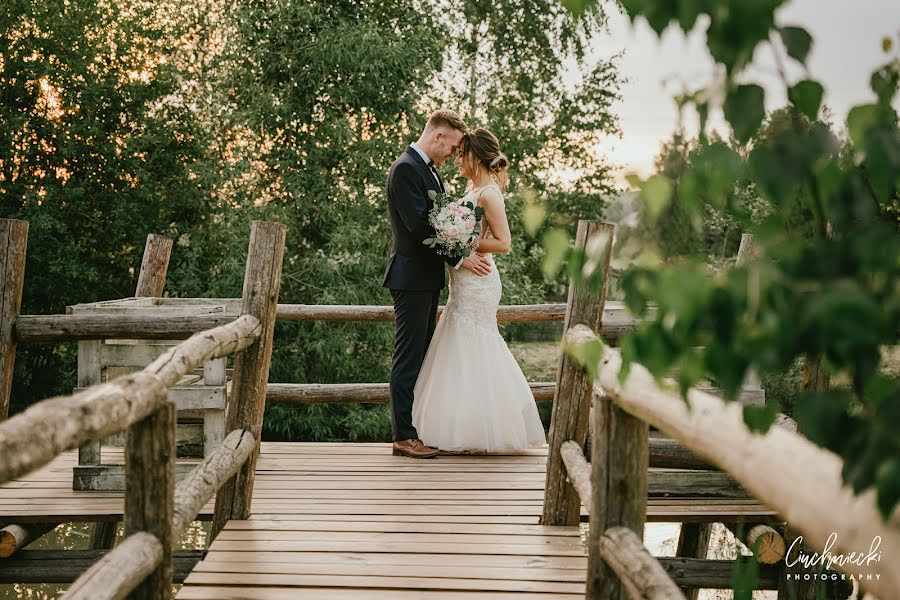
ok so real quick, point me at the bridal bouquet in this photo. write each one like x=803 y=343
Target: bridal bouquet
x=456 y=222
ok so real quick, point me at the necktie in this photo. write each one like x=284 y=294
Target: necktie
x=436 y=175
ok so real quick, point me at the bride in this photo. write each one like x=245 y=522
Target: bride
x=471 y=394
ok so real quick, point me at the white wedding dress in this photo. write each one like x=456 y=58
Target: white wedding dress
x=471 y=394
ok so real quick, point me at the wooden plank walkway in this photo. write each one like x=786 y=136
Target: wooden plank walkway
x=353 y=521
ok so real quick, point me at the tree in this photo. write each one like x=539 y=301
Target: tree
x=92 y=153
x=826 y=291
x=509 y=67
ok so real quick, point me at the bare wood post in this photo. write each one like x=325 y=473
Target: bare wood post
x=262 y=279
x=693 y=542
x=752 y=389
x=103 y=535
x=89 y=373
x=13 y=244
x=572 y=400
x=620 y=458
x=150 y=493
x=154 y=266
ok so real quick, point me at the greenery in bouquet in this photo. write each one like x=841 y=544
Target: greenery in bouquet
x=456 y=223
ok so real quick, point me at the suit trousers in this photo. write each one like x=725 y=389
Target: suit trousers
x=415 y=317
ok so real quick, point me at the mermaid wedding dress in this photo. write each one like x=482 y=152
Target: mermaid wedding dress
x=471 y=394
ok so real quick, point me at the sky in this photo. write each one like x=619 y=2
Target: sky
x=846 y=49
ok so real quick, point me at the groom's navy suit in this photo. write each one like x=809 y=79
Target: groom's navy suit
x=415 y=276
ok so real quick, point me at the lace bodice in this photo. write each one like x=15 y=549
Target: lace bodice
x=473 y=196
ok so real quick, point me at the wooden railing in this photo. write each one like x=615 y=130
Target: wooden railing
x=156 y=510
x=782 y=469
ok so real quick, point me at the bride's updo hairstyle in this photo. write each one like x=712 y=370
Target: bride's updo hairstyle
x=480 y=149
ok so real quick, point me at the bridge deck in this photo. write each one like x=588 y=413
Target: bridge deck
x=352 y=521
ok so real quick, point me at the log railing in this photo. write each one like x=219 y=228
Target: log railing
x=60 y=328
x=156 y=511
x=799 y=480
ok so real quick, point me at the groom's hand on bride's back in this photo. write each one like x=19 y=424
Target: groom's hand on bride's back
x=477 y=263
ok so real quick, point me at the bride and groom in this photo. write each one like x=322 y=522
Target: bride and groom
x=454 y=384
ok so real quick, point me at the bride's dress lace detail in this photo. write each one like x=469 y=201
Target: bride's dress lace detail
x=471 y=393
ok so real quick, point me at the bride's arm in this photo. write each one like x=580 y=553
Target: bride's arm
x=495 y=215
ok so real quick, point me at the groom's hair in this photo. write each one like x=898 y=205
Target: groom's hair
x=448 y=118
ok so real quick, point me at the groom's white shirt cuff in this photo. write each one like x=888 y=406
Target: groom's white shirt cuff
x=427 y=160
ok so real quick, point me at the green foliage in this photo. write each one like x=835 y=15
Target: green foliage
x=192 y=119
x=825 y=283
x=93 y=153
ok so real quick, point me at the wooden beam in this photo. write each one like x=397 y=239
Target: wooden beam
x=13 y=244
x=351 y=393
x=154 y=265
x=59 y=328
x=65 y=566
x=195 y=490
x=670 y=454
x=32 y=438
x=640 y=574
x=572 y=400
x=54 y=328
x=262 y=279
x=120 y=571
x=807 y=491
x=523 y=313
x=712 y=574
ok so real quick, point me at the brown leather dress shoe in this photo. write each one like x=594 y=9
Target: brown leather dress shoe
x=414 y=449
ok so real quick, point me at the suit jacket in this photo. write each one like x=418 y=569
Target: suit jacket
x=412 y=265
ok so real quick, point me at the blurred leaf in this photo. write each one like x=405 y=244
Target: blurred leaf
x=533 y=216
x=556 y=244
x=886 y=44
x=888 y=484
x=587 y=355
x=745 y=578
x=806 y=95
x=797 y=41
x=859 y=120
x=656 y=194
x=745 y=110
x=823 y=417
x=884 y=82
x=759 y=418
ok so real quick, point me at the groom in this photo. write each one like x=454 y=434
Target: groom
x=415 y=272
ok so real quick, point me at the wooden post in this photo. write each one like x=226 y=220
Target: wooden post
x=572 y=399
x=89 y=373
x=155 y=264
x=262 y=279
x=693 y=542
x=150 y=493
x=619 y=464
x=151 y=281
x=751 y=392
x=103 y=535
x=13 y=244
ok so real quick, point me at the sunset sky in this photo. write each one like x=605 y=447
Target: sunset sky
x=847 y=47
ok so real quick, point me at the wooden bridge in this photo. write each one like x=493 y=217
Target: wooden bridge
x=353 y=521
